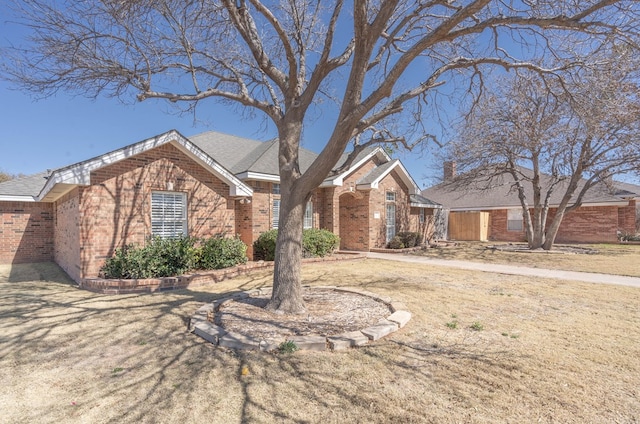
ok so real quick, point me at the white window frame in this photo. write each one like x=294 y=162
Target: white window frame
x=168 y=214
x=422 y=215
x=514 y=220
x=390 y=215
x=275 y=213
x=307 y=221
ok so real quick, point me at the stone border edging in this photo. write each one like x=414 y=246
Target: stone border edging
x=201 y=324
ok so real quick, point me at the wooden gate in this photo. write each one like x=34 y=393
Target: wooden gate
x=470 y=226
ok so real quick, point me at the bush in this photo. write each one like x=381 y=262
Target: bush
x=220 y=252
x=169 y=257
x=315 y=244
x=264 y=249
x=396 y=243
x=410 y=239
x=318 y=243
x=176 y=256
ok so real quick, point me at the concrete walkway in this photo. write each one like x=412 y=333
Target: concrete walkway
x=588 y=277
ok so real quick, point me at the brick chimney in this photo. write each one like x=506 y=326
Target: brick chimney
x=449 y=170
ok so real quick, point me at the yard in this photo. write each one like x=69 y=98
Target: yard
x=481 y=348
x=620 y=259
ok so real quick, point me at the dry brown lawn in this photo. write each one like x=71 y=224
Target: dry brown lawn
x=546 y=351
x=620 y=259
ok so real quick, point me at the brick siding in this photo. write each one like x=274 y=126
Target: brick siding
x=591 y=224
x=115 y=210
x=26 y=232
x=66 y=237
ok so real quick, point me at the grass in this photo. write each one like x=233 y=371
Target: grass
x=620 y=259
x=550 y=351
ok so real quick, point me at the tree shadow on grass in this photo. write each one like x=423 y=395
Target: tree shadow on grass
x=129 y=358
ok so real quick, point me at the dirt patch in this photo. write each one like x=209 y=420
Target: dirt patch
x=329 y=313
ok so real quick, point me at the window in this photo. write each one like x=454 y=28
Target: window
x=308 y=216
x=421 y=215
x=275 y=215
x=514 y=219
x=391 y=215
x=275 y=188
x=168 y=214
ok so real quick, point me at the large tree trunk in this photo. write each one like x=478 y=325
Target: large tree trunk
x=552 y=230
x=287 y=279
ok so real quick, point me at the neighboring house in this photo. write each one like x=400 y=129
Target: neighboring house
x=606 y=209
x=205 y=185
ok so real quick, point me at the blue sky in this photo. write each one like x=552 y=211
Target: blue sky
x=65 y=129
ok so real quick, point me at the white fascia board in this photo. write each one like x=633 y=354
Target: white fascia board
x=257 y=176
x=338 y=180
x=236 y=186
x=14 y=198
x=408 y=179
x=424 y=205
x=80 y=173
x=413 y=187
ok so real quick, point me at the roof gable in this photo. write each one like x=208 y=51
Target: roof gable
x=62 y=180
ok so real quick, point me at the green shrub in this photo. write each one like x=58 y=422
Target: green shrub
x=396 y=243
x=169 y=257
x=126 y=262
x=219 y=252
x=175 y=256
x=264 y=248
x=315 y=244
x=318 y=243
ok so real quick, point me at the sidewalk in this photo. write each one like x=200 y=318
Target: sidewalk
x=588 y=277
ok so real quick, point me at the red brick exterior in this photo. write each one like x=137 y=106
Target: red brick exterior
x=26 y=232
x=587 y=224
x=66 y=236
x=115 y=210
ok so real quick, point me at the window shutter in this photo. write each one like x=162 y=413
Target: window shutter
x=168 y=214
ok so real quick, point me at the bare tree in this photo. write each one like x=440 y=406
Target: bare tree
x=372 y=61
x=5 y=177
x=554 y=140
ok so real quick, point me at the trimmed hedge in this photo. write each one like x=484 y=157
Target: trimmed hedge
x=176 y=256
x=315 y=244
x=318 y=243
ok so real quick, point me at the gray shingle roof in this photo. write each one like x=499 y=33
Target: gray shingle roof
x=241 y=155
x=24 y=186
x=377 y=172
x=503 y=194
x=237 y=154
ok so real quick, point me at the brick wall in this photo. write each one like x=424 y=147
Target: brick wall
x=627 y=218
x=116 y=209
x=390 y=183
x=588 y=225
x=354 y=221
x=361 y=222
x=26 y=232
x=584 y=225
x=67 y=233
x=498 y=228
